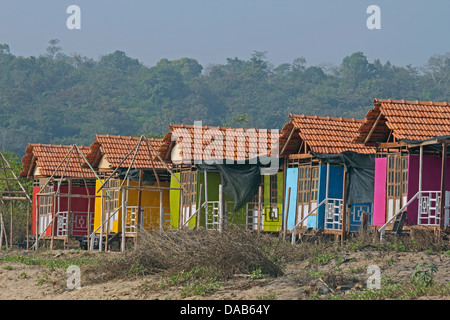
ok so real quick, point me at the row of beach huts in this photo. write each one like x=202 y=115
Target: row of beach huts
x=387 y=173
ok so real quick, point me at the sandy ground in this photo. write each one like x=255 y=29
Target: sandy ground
x=25 y=282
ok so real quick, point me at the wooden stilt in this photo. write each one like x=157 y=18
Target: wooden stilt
x=28 y=226
x=11 y=222
x=443 y=176
x=200 y=206
x=259 y=208
x=344 y=208
x=286 y=210
x=69 y=212
x=138 y=214
x=1 y=226
x=161 y=211
x=220 y=209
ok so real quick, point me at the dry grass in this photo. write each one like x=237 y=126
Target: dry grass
x=234 y=251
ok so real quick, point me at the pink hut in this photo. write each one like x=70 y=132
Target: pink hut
x=412 y=174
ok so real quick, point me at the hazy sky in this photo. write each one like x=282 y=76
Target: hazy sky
x=322 y=31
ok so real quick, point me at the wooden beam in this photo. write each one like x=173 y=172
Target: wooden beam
x=118 y=166
x=390 y=144
x=373 y=127
x=164 y=163
x=287 y=141
x=300 y=156
x=31 y=167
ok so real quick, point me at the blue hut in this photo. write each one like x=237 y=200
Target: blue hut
x=323 y=163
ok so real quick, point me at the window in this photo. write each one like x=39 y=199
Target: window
x=304 y=184
x=397 y=175
x=111 y=204
x=307 y=188
x=189 y=182
x=46 y=201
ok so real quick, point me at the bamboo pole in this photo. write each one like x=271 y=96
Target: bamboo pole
x=4 y=230
x=181 y=212
x=28 y=226
x=151 y=160
x=161 y=211
x=1 y=226
x=138 y=207
x=69 y=214
x=57 y=195
x=344 y=207
x=443 y=176
x=259 y=208
x=45 y=230
x=9 y=189
x=102 y=218
x=124 y=217
x=286 y=210
x=36 y=243
x=57 y=168
x=53 y=218
x=118 y=166
x=11 y=221
x=132 y=162
x=224 y=212
x=420 y=168
x=92 y=169
x=15 y=177
x=87 y=193
x=163 y=162
x=88 y=224
x=200 y=204
x=220 y=209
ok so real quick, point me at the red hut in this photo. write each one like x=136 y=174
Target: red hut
x=63 y=191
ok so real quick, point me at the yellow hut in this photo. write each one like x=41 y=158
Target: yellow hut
x=131 y=181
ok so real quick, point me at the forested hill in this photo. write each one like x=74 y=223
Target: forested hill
x=67 y=99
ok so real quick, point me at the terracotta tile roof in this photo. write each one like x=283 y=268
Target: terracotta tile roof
x=116 y=148
x=47 y=157
x=408 y=120
x=322 y=134
x=202 y=148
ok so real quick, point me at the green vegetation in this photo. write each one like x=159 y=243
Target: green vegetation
x=60 y=98
x=48 y=262
x=423 y=274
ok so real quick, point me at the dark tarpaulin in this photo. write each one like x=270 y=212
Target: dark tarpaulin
x=436 y=146
x=240 y=182
x=360 y=174
x=147 y=175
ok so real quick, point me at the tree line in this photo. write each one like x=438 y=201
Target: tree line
x=66 y=99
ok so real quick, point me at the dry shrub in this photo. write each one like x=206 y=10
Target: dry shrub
x=426 y=239
x=235 y=251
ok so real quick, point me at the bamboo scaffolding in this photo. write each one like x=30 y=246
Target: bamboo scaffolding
x=12 y=196
x=140 y=188
x=57 y=195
